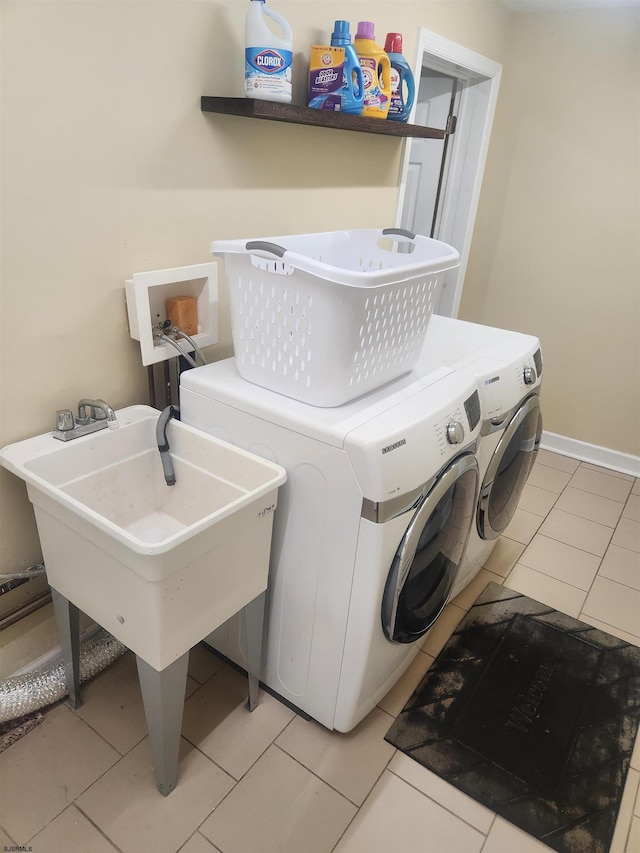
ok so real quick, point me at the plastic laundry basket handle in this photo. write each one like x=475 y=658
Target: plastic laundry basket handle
x=265 y=246
x=400 y=232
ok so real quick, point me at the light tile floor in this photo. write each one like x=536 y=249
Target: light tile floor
x=272 y=781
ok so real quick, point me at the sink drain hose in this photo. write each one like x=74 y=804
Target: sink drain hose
x=26 y=693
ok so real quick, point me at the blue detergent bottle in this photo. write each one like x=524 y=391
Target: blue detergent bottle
x=403 y=88
x=352 y=92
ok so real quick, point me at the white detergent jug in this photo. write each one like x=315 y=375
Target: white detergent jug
x=268 y=58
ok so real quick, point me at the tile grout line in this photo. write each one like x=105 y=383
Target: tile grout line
x=601 y=558
x=319 y=778
x=378 y=778
x=577 y=488
x=440 y=805
x=284 y=752
x=569 y=485
x=9 y=836
x=486 y=839
x=94 y=824
x=584 y=517
x=569 y=545
x=64 y=703
x=121 y=755
x=610 y=472
x=551 y=577
x=624 y=547
x=619 y=583
x=195 y=831
x=236 y=782
x=581 y=612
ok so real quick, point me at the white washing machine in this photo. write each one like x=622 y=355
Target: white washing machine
x=508 y=369
x=369 y=533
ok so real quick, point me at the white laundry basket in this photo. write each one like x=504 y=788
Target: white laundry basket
x=327 y=317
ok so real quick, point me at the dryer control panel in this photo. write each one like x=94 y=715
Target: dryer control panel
x=528 y=373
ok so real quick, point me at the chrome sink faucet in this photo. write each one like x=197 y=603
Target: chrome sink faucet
x=99 y=411
x=92 y=416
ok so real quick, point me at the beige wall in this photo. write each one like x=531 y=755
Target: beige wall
x=556 y=247
x=110 y=168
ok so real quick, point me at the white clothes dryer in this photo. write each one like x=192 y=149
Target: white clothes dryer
x=369 y=533
x=508 y=368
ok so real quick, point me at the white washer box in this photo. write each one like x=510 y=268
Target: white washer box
x=147 y=293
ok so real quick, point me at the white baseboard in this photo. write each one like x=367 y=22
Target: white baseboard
x=603 y=456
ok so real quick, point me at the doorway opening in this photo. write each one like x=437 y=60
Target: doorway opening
x=457 y=90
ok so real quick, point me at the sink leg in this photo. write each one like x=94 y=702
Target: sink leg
x=68 y=622
x=163 y=698
x=254 y=626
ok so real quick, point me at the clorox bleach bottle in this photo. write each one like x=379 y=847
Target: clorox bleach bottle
x=403 y=87
x=268 y=58
x=376 y=72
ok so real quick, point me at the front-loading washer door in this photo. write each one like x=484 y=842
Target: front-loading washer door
x=427 y=560
x=509 y=469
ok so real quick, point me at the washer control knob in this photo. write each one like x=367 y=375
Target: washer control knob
x=455 y=432
x=529 y=375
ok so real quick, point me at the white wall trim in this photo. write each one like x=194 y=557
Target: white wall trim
x=603 y=456
x=451 y=53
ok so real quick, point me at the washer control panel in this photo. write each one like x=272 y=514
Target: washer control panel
x=404 y=447
x=450 y=429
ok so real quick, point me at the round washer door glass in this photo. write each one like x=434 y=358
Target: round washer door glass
x=427 y=560
x=509 y=468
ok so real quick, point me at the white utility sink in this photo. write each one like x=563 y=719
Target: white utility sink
x=158 y=566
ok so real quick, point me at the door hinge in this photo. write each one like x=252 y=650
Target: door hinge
x=450 y=129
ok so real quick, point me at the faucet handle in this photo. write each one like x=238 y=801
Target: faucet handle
x=64 y=420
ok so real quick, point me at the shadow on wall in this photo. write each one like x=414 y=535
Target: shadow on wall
x=230 y=152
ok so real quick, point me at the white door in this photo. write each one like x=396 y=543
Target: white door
x=440 y=180
x=428 y=157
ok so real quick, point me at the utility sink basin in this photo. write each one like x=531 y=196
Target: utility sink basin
x=158 y=566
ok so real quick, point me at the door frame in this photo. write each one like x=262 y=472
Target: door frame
x=480 y=78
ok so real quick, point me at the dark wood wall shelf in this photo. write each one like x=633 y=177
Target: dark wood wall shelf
x=273 y=111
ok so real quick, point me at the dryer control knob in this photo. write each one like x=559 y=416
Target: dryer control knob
x=455 y=432
x=529 y=375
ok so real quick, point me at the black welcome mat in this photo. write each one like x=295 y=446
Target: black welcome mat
x=533 y=714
